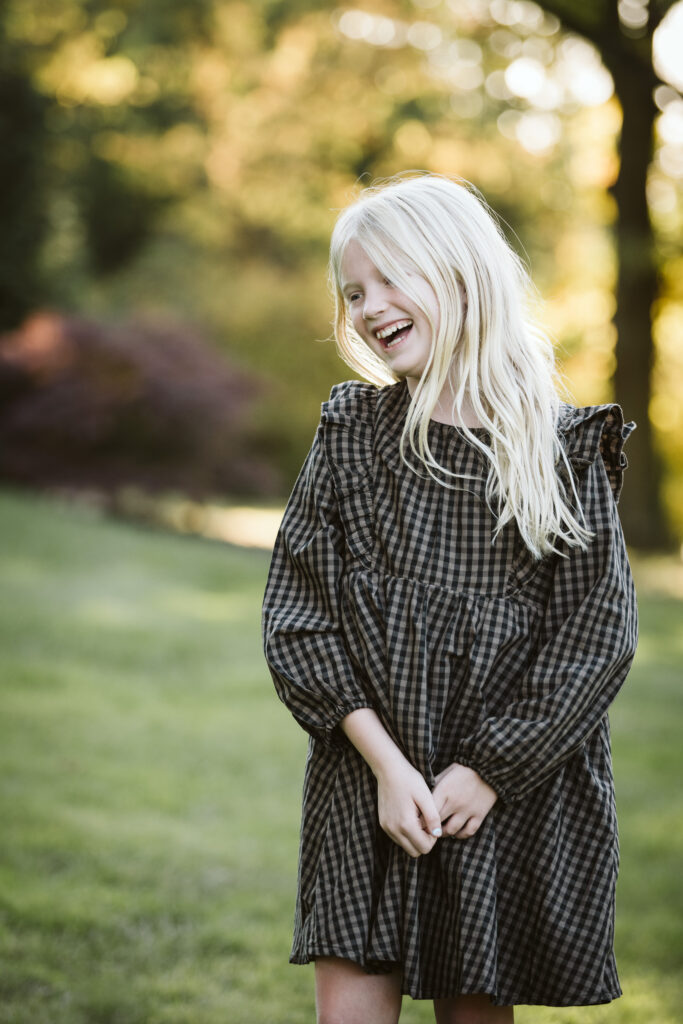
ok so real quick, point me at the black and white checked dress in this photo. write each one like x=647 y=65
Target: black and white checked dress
x=385 y=591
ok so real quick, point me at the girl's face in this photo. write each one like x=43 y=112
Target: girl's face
x=384 y=317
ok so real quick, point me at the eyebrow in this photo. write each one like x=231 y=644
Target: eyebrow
x=349 y=285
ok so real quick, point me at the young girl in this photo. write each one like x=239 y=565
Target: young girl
x=449 y=613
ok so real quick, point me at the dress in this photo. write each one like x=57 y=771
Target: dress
x=385 y=591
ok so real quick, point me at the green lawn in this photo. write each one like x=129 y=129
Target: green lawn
x=151 y=782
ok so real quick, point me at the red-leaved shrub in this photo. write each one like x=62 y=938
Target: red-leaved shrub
x=88 y=404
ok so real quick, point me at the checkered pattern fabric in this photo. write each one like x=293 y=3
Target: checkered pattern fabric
x=386 y=591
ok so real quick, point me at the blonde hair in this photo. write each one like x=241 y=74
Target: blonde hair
x=442 y=230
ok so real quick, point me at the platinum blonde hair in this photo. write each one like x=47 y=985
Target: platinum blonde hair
x=490 y=349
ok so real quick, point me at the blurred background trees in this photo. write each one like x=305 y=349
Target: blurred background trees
x=186 y=160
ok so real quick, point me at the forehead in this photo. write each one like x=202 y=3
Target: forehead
x=355 y=264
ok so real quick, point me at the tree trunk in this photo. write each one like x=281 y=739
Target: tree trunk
x=637 y=287
x=629 y=61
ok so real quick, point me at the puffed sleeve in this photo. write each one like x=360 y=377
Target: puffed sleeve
x=589 y=634
x=303 y=640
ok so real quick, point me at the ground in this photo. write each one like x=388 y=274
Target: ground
x=151 y=784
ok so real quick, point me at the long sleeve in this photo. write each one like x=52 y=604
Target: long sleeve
x=588 y=639
x=303 y=640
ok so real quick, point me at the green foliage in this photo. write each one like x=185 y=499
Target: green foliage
x=189 y=158
x=92 y=405
x=22 y=195
x=151 y=785
x=118 y=215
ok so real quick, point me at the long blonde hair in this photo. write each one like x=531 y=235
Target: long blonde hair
x=490 y=349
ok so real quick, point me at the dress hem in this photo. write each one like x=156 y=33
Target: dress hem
x=504 y=999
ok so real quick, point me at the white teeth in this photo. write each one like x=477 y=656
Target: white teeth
x=392 y=328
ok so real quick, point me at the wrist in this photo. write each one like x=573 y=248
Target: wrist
x=385 y=763
x=366 y=732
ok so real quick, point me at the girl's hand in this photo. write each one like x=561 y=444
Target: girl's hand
x=463 y=800
x=407 y=811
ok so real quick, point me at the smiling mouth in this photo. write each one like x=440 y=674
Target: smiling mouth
x=394 y=334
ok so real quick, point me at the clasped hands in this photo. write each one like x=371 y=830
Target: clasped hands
x=416 y=818
x=410 y=814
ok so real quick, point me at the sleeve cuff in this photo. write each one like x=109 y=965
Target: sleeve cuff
x=333 y=735
x=503 y=793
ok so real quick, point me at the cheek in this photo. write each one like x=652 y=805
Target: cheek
x=429 y=300
x=424 y=322
x=358 y=321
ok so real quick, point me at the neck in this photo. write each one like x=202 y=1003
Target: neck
x=442 y=412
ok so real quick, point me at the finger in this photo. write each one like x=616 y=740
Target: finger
x=426 y=830
x=418 y=846
x=418 y=838
x=454 y=824
x=469 y=829
x=442 y=808
x=430 y=814
x=410 y=847
x=410 y=837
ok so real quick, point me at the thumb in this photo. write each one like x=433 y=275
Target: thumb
x=430 y=815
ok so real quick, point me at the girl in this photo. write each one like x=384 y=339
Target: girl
x=449 y=613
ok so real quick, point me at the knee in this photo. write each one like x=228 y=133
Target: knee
x=472 y=1009
x=336 y=1011
x=474 y=1016
x=350 y=1014
x=345 y=994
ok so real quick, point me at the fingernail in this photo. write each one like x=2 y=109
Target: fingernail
x=437 y=832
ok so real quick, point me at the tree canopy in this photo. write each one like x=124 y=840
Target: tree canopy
x=189 y=156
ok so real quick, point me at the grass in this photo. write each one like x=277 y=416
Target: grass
x=151 y=781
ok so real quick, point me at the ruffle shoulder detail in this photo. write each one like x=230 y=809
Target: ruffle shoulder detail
x=590 y=430
x=347 y=419
x=350 y=402
x=347 y=422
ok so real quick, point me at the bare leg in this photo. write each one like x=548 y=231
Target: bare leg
x=345 y=994
x=477 y=1009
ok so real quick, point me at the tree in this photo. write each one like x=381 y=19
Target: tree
x=22 y=186
x=190 y=157
x=518 y=90
x=626 y=50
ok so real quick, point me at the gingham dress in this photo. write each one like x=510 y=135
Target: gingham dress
x=385 y=591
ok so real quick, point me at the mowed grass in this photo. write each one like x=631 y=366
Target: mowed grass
x=151 y=781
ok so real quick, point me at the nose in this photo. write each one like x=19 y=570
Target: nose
x=375 y=302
